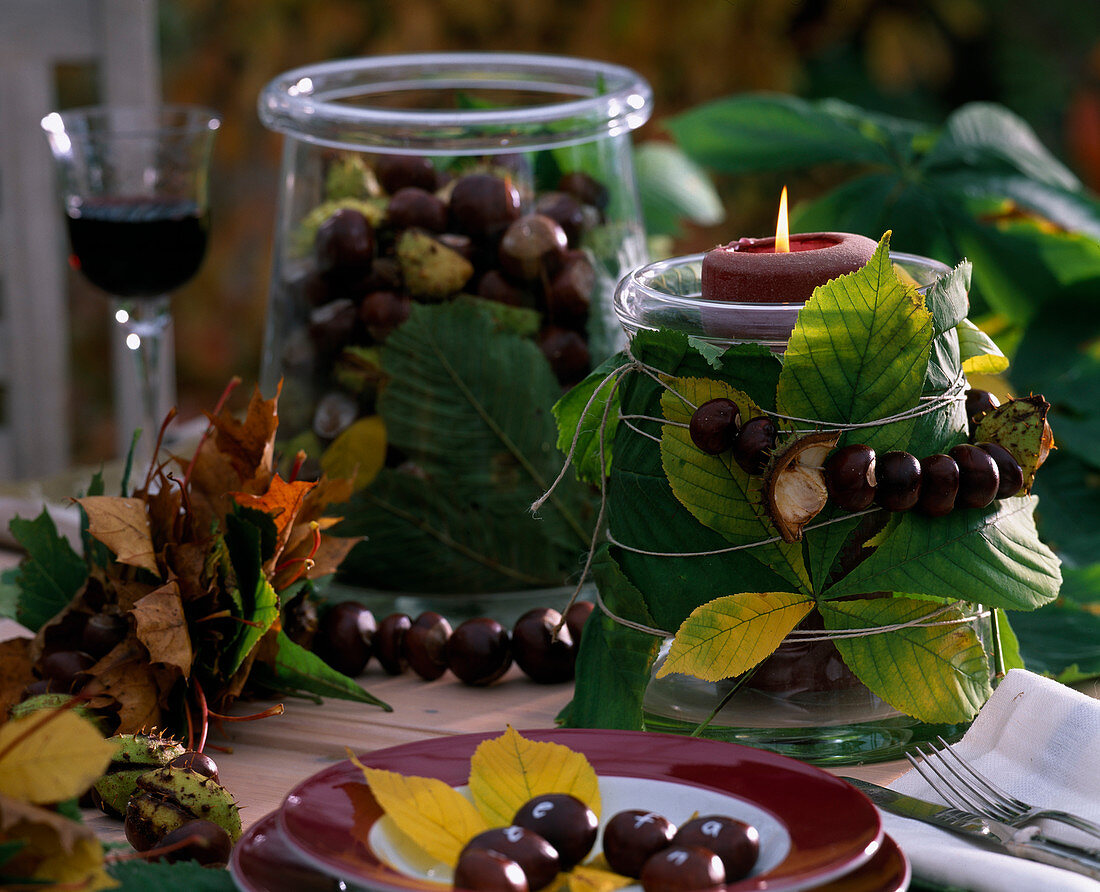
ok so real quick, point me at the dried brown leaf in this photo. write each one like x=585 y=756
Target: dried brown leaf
x=123 y=526
x=162 y=627
x=139 y=687
x=15 y=672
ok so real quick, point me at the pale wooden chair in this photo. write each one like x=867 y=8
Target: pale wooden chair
x=118 y=37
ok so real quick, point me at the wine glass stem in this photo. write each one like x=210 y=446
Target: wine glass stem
x=146 y=324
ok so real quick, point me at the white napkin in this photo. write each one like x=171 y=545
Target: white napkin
x=1039 y=741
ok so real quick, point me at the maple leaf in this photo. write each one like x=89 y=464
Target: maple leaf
x=50 y=756
x=123 y=526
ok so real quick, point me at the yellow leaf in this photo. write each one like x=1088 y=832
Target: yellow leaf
x=49 y=756
x=586 y=878
x=509 y=770
x=439 y=818
x=123 y=526
x=54 y=849
x=730 y=635
x=358 y=452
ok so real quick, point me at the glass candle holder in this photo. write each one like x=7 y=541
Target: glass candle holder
x=802 y=700
x=449 y=235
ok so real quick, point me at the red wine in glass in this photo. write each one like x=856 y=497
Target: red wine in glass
x=137 y=247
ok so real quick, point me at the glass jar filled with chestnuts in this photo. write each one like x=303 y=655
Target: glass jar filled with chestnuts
x=450 y=231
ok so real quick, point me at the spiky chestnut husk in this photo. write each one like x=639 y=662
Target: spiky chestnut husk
x=169 y=797
x=432 y=271
x=135 y=755
x=1020 y=426
x=794 y=482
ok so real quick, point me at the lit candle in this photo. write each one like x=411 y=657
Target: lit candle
x=784 y=269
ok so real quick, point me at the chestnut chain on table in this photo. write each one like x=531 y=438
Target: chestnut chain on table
x=478 y=652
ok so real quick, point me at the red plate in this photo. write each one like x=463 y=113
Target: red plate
x=814 y=827
x=263 y=861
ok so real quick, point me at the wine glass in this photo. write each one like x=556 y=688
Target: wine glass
x=134 y=182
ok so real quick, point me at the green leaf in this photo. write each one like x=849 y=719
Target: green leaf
x=673 y=188
x=184 y=876
x=522 y=321
x=728 y=636
x=859 y=205
x=1061 y=639
x=51 y=573
x=470 y=408
x=991 y=556
x=260 y=603
x=947 y=298
x=568 y=412
x=858 y=353
x=714 y=488
x=755 y=132
x=424 y=539
x=642 y=510
x=982 y=134
x=96 y=554
x=1069 y=507
x=933 y=673
x=301 y=670
x=614 y=660
x=9 y=850
x=979 y=353
x=9 y=593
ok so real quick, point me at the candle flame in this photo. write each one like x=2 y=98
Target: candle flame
x=782 y=230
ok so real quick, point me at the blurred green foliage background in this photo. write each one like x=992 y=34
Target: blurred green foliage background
x=904 y=57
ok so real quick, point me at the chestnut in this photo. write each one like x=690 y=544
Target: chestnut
x=714 y=425
x=979 y=403
x=682 y=869
x=897 y=476
x=979 y=478
x=199 y=840
x=576 y=615
x=344 y=637
x=544 y=657
x=939 y=485
x=482 y=206
x=585 y=188
x=538 y=859
x=532 y=247
x=344 y=245
x=479 y=651
x=562 y=820
x=425 y=645
x=850 y=477
x=1011 y=474
x=487 y=871
x=735 y=842
x=198 y=762
x=396 y=172
x=754 y=444
x=389 y=643
x=567 y=353
x=102 y=632
x=631 y=837
x=413 y=206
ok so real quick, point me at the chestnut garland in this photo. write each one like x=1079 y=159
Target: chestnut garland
x=969 y=476
x=479 y=651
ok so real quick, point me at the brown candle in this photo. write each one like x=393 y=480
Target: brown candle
x=750 y=270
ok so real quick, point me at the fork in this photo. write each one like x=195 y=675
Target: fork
x=965 y=788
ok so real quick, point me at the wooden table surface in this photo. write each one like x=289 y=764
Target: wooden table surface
x=265 y=759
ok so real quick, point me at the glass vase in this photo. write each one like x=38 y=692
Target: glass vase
x=450 y=231
x=802 y=700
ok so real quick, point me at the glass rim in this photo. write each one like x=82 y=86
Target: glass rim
x=638 y=280
x=298 y=100
x=174 y=118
